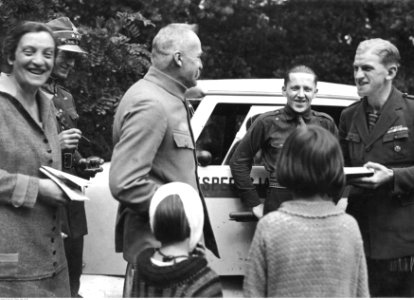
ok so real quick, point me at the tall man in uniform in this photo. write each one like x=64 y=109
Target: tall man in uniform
x=153 y=141
x=269 y=132
x=74 y=226
x=378 y=132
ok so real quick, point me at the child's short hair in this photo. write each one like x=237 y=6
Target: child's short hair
x=311 y=163
x=170 y=222
x=176 y=213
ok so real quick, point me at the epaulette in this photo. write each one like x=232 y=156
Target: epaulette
x=272 y=112
x=322 y=115
x=409 y=97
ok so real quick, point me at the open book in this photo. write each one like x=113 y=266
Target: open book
x=73 y=186
x=355 y=172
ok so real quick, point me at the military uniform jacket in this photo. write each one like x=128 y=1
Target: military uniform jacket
x=67 y=117
x=269 y=133
x=153 y=145
x=385 y=215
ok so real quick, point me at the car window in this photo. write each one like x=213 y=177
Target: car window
x=220 y=130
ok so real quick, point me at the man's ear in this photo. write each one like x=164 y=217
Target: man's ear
x=392 y=72
x=177 y=59
x=283 y=90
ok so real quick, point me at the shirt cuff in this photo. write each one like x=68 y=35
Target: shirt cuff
x=25 y=191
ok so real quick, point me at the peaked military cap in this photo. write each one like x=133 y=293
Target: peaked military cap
x=66 y=34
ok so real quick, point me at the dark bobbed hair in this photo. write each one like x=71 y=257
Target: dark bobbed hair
x=311 y=163
x=170 y=221
x=14 y=36
x=299 y=69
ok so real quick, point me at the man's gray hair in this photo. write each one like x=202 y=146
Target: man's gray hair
x=169 y=39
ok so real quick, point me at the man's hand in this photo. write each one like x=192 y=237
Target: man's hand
x=258 y=211
x=90 y=166
x=69 y=139
x=381 y=176
x=50 y=194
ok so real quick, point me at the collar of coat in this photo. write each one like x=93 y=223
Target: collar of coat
x=386 y=119
x=292 y=115
x=166 y=82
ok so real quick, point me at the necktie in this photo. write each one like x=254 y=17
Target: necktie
x=372 y=119
x=300 y=122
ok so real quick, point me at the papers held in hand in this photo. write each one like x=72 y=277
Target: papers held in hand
x=73 y=186
x=357 y=172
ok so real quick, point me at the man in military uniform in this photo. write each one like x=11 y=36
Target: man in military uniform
x=377 y=132
x=75 y=226
x=269 y=132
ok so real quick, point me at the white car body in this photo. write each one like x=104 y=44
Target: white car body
x=229 y=103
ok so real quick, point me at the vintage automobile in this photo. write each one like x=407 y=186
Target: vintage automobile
x=223 y=108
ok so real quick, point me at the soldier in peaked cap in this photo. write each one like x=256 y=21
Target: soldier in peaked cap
x=377 y=132
x=75 y=226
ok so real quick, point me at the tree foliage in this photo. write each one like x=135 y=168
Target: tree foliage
x=241 y=39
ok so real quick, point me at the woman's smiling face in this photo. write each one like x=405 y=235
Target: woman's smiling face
x=33 y=59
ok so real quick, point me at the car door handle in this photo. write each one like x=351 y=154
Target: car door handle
x=243 y=216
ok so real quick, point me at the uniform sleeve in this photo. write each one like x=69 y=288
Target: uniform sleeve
x=342 y=139
x=255 y=279
x=242 y=161
x=403 y=180
x=18 y=190
x=332 y=128
x=142 y=130
x=328 y=123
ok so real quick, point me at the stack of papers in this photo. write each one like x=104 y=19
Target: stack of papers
x=73 y=186
x=356 y=172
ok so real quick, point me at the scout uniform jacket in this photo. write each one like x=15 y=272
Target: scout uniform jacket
x=385 y=215
x=268 y=133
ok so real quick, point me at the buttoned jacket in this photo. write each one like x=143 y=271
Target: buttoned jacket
x=385 y=215
x=268 y=134
x=75 y=224
x=31 y=246
x=153 y=145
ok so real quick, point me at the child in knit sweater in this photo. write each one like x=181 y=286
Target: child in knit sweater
x=309 y=247
x=176 y=269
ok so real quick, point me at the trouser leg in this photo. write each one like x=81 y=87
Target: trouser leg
x=386 y=283
x=129 y=289
x=74 y=256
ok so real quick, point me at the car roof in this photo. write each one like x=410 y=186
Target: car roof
x=264 y=87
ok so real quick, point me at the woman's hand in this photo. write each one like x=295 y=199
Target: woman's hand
x=69 y=139
x=50 y=194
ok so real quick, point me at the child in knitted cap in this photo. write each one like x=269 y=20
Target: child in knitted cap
x=309 y=247
x=175 y=269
